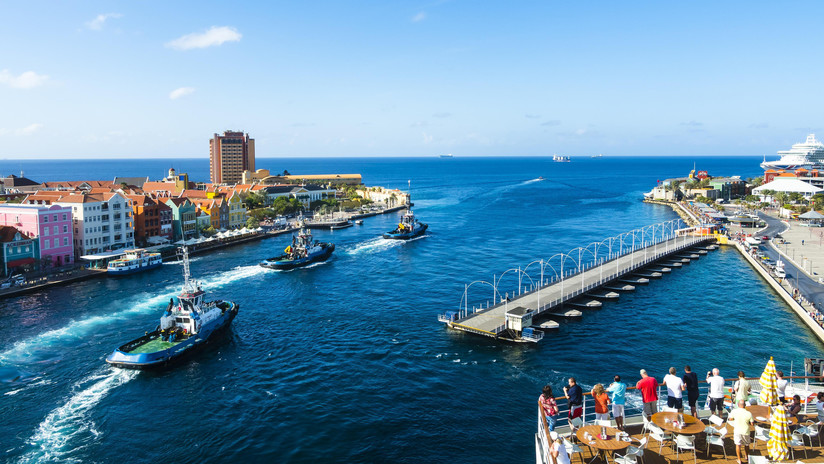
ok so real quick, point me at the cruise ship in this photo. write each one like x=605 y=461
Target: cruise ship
x=807 y=155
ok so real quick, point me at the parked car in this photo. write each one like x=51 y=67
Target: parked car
x=765 y=237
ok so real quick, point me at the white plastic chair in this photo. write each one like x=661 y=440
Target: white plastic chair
x=761 y=434
x=811 y=429
x=797 y=439
x=668 y=409
x=572 y=449
x=685 y=442
x=758 y=460
x=716 y=420
x=603 y=422
x=717 y=440
x=632 y=454
x=657 y=433
x=646 y=424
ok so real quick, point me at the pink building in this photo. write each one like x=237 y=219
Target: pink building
x=52 y=224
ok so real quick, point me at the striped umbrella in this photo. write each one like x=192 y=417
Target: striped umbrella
x=779 y=434
x=769 y=391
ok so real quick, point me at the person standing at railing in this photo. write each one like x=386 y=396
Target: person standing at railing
x=575 y=399
x=690 y=380
x=649 y=393
x=599 y=394
x=716 y=393
x=781 y=387
x=675 y=390
x=741 y=387
x=550 y=407
x=618 y=391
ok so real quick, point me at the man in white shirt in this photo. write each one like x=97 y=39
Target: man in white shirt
x=675 y=389
x=716 y=393
x=781 y=386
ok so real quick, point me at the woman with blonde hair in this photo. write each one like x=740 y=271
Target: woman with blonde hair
x=599 y=394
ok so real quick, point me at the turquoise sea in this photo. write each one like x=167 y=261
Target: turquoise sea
x=345 y=361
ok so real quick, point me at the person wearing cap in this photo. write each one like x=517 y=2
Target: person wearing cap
x=557 y=449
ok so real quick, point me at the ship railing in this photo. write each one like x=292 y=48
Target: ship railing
x=634 y=404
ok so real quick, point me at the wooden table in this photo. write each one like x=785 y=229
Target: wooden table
x=692 y=426
x=763 y=412
x=610 y=444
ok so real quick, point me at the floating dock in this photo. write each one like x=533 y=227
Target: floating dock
x=509 y=316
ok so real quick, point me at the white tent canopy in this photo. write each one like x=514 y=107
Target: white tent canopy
x=812 y=215
x=787 y=185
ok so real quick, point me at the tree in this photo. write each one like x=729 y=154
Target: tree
x=252 y=223
x=796 y=197
x=781 y=197
x=254 y=200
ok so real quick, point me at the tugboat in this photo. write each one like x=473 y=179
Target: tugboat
x=303 y=251
x=409 y=227
x=136 y=260
x=183 y=328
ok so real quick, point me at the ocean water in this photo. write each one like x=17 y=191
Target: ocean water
x=345 y=361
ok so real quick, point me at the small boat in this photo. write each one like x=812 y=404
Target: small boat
x=448 y=155
x=409 y=227
x=359 y=222
x=136 y=260
x=540 y=177
x=302 y=252
x=560 y=158
x=184 y=327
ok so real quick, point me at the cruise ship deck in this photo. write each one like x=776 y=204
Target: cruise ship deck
x=664 y=452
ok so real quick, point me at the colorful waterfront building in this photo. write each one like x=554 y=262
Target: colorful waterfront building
x=152 y=220
x=184 y=218
x=51 y=224
x=17 y=251
x=237 y=211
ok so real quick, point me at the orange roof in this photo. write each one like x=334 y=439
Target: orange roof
x=769 y=170
x=188 y=193
x=786 y=174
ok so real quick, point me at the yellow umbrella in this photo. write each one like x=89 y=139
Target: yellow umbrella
x=779 y=434
x=769 y=391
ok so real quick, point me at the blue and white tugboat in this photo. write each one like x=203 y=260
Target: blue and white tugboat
x=302 y=252
x=184 y=327
x=409 y=227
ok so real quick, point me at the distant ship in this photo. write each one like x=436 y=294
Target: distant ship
x=597 y=156
x=807 y=155
x=560 y=159
x=448 y=155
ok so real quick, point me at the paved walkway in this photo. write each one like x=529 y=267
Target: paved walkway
x=492 y=320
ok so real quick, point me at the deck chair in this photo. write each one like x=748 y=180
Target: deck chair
x=668 y=409
x=632 y=454
x=572 y=449
x=810 y=430
x=797 y=439
x=603 y=422
x=717 y=440
x=761 y=434
x=685 y=442
x=658 y=434
x=758 y=460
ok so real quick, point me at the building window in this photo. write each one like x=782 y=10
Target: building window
x=46 y=244
x=65 y=228
x=45 y=231
x=65 y=241
x=56 y=230
x=54 y=218
x=64 y=216
x=46 y=218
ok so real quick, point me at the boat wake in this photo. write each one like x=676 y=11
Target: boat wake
x=36 y=348
x=180 y=261
x=59 y=432
x=308 y=266
x=375 y=245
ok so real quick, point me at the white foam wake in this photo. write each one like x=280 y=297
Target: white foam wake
x=374 y=245
x=52 y=439
x=25 y=351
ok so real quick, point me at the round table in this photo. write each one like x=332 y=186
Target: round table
x=761 y=414
x=691 y=426
x=610 y=444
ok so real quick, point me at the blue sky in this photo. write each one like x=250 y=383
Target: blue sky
x=156 y=79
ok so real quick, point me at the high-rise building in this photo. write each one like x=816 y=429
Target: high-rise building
x=229 y=155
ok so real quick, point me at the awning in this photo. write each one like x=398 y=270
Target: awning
x=104 y=255
x=20 y=262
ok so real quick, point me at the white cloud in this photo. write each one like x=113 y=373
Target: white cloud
x=213 y=37
x=181 y=92
x=419 y=17
x=27 y=80
x=97 y=23
x=24 y=131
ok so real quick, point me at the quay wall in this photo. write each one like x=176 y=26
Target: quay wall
x=686 y=215
x=783 y=293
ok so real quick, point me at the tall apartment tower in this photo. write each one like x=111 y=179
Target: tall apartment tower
x=229 y=155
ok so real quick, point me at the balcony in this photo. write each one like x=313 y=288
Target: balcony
x=105 y=229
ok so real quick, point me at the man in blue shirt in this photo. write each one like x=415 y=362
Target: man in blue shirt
x=617 y=394
x=575 y=398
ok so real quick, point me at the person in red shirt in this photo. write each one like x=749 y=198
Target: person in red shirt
x=649 y=392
